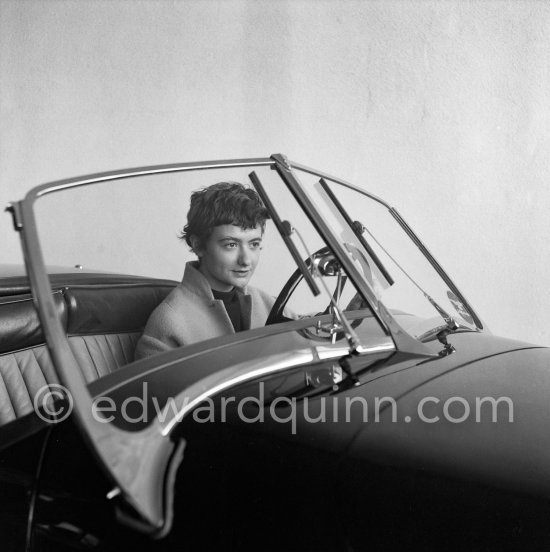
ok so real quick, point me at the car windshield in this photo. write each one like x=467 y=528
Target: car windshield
x=133 y=225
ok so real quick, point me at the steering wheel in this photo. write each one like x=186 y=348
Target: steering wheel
x=276 y=314
x=327 y=265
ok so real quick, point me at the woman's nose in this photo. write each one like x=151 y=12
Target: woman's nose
x=244 y=256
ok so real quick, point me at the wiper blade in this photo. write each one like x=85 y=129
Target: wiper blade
x=285 y=229
x=450 y=322
x=358 y=230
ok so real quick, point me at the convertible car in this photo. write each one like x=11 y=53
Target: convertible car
x=373 y=410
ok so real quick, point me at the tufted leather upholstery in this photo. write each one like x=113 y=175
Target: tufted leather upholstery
x=22 y=374
x=103 y=324
x=99 y=355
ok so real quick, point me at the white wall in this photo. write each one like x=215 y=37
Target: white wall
x=442 y=108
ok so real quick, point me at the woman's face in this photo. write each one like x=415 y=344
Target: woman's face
x=230 y=255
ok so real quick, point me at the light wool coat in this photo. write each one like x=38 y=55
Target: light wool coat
x=190 y=314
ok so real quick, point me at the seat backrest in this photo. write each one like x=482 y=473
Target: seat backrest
x=25 y=364
x=103 y=324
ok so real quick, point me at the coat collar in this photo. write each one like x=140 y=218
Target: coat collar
x=195 y=281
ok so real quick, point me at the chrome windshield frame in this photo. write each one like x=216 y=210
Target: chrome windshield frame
x=94 y=178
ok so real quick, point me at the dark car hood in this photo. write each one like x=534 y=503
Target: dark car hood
x=513 y=454
x=511 y=449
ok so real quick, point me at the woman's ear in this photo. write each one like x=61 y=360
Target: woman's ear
x=196 y=245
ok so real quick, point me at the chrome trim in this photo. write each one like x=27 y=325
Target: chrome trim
x=249 y=370
x=362 y=350
x=58 y=185
x=345 y=183
x=325 y=353
x=231 y=377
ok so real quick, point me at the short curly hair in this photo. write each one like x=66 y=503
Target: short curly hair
x=222 y=203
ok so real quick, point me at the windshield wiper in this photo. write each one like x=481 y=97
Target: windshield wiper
x=285 y=229
x=358 y=230
x=450 y=323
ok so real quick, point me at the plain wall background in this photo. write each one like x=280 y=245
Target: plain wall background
x=442 y=108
